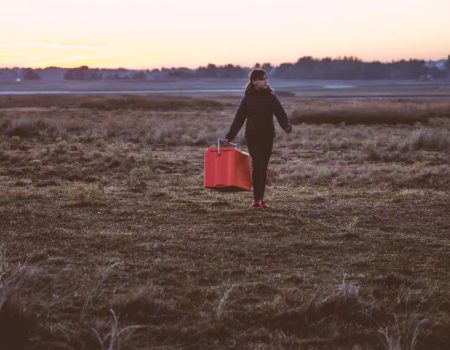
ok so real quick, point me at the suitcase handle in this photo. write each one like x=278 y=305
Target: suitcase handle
x=218 y=145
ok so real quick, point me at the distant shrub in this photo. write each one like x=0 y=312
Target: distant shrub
x=75 y=171
x=375 y=153
x=368 y=112
x=110 y=102
x=84 y=195
x=137 y=178
x=3 y=121
x=405 y=149
x=204 y=136
x=61 y=146
x=3 y=155
x=372 y=153
x=284 y=93
x=25 y=127
x=356 y=116
x=166 y=133
x=158 y=103
x=179 y=134
x=429 y=139
x=36 y=164
x=16 y=142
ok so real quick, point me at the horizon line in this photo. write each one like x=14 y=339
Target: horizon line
x=233 y=64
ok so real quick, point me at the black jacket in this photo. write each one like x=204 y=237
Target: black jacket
x=258 y=107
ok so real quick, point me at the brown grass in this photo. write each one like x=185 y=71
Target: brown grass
x=17 y=324
x=147 y=127
x=110 y=240
x=370 y=112
x=109 y=102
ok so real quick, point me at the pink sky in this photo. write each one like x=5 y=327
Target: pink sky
x=153 y=34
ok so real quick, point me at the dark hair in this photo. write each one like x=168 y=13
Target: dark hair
x=256 y=74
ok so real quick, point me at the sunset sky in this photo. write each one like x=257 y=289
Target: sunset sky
x=179 y=33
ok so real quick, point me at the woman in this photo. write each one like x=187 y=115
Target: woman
x=258 y=106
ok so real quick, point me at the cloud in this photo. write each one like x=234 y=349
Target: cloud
x=57 y=46
x=13 y=55
x=78 y=58
x=33 y=59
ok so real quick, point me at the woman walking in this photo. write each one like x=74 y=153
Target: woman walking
x=258 y=106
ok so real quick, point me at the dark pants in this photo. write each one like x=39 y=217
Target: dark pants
x=260 y=149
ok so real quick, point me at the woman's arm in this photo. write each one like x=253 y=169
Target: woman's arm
x=281 y=115
x=238 y=120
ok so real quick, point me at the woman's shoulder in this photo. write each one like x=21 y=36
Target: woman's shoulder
x=269 y=93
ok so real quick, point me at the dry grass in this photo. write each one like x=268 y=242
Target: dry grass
x=369 y=112
x=404 y=336
x=150 y=128
x=110 y=241
x=107 y=102
x=429 y=139
x=17 y=324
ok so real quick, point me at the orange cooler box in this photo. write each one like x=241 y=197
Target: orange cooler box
x=227 y=169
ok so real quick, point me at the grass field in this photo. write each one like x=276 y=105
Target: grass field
x=109 y=240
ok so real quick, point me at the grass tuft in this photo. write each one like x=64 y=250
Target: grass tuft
x=116 y=337
x=16 y=323
x=403 y=335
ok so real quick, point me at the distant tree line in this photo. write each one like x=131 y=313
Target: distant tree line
x=353 y=68
x=82 y=73
x=342 y=68
x=307 y=67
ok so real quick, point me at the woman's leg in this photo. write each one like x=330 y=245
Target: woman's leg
x=266 y=153
x=254 y=149
x=260 y=150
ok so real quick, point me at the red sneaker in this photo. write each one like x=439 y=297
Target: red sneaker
x=263 y=204
x=256 y=203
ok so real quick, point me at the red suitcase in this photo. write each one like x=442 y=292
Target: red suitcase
x=227 y=169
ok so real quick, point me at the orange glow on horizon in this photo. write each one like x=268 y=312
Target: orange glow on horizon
x=145 y=35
